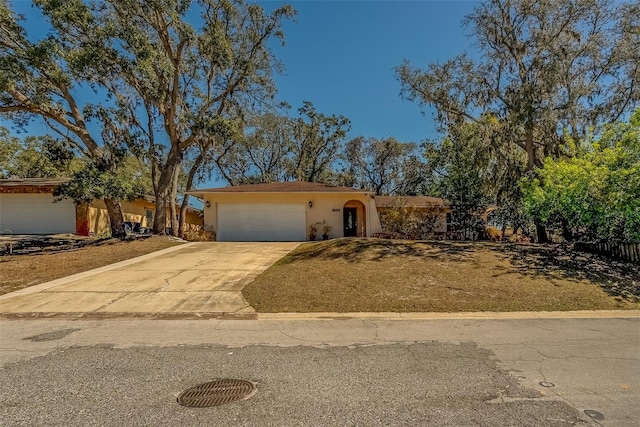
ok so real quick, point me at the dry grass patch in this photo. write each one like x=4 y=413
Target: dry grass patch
x=352 y=275
x=22 y=271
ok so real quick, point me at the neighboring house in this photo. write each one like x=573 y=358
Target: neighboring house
x=285 y=211
x=419 y=204
x=27 y=206
x=93 y=219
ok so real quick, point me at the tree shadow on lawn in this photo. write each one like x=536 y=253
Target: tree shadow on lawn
x=357 y=249
x=617 y=278
x=551 y=262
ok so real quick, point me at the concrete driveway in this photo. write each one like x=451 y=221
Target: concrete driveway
x=197 y=279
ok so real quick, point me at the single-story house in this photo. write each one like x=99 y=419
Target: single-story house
x=27 y=206
x=285 y=211
x=418 y=204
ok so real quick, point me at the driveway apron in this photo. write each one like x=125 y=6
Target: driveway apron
x=192 y=279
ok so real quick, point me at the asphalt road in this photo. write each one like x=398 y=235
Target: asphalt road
x=323 y=372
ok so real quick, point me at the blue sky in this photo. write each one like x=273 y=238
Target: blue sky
x=340 y=55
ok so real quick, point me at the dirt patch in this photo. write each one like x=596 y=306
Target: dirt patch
x=351 y=275
x=21 y=271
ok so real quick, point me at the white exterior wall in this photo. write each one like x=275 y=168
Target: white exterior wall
x=325 y=207
x=36 y=213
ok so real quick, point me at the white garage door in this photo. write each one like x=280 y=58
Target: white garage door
x=36 y=214
x=261 y=222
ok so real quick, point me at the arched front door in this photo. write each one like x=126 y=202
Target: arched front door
x=353 y=219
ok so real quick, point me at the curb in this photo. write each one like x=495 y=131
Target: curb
x=587 y=314
x=520 y=315
x=89 y=273
x=97 y=315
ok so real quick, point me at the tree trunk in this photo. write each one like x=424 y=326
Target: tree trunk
x=530 y=149
x=172 y=202
x=541 y=232
x=162 y=193
x=190 y=178
x=160 y=217
x=566 y=230
x=182 y=226
x=114 y=210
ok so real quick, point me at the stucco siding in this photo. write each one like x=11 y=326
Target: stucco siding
x=374 y=218
x=132 y=211
x=326 y=207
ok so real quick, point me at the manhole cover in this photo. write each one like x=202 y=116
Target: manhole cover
x=216 y=393
x=546 y=384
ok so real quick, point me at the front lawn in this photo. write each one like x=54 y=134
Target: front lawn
x=22 y=271
x=372 y=275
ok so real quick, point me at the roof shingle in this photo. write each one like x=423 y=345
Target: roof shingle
x=32 y=182
x=280 y=187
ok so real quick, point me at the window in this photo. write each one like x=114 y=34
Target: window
x=148 y=214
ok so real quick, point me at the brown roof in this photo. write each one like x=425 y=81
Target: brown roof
x=279 y=187
x=413 y=201
x=32 y=182
x=54 y=182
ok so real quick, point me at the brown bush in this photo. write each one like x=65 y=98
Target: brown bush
x=493 y=234
x=201 y=235
x=402 y=221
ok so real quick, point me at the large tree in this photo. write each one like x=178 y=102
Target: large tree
x=200 y=160
x=595 y=195
x=262 y=153
x=174 y=79
x=317 y=144
x=546 y=71
x=467 y=170
x=281 y=148
x=42 y=78
x=380 y=165
x=194 y=80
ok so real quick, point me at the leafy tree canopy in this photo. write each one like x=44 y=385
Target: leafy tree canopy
x=384 y=166
x=282 y=148
x=46 y=157
x=548 y=70
x=35 y=157
x=88 y=183
x=262 y=154
x=596 y=194
x=318 y=142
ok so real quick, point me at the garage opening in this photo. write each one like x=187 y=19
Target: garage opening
x=261 y=222
x=36 y=214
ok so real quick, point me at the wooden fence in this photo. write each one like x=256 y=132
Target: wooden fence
x=627 y=251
